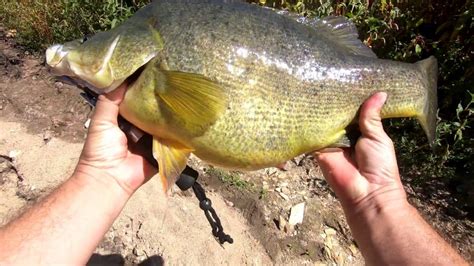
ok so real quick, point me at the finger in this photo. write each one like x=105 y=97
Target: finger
x=107 y=107
x=342 y=174
x=337 y=166
x=370 y=121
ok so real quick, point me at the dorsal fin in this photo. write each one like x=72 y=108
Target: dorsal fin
x=346 y=33
x=339 y=29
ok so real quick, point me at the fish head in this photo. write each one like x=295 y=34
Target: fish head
x=105 y=60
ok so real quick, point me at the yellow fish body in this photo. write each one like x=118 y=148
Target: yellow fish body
x=240 y=86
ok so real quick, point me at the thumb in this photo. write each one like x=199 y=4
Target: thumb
x=107 y=107
x=370 y=121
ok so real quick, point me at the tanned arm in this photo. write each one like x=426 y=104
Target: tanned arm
x=66 y=226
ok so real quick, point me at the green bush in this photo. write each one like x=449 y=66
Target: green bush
x=43 y=22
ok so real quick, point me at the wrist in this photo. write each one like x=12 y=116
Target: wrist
x=380 y=202
x=91 y=176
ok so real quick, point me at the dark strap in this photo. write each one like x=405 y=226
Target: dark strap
x=206 y=205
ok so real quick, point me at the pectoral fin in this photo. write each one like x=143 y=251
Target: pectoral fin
x=171 y=161
x=191 y=100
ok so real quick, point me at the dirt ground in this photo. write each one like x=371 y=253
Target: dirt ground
x=41 y=135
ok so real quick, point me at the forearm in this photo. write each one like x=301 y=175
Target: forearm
x=397 y=234
x=66 y=226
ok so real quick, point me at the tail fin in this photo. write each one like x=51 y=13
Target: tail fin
x=428 y=116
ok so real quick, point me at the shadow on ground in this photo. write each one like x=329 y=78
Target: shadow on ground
x=118 y=259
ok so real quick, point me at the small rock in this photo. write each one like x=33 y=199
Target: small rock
x=229 y=203
x=297 y=160
x=11 y=33
x=137 y=252
x=353 y=249
x=285 y=190
x=47 y=136
x=296 y=214
x=14 y=154
x=282 y=223
x=289 y=229
x=87 y=123
x=330 y=231
x=59 y=86
x=278 y=189
x=283 y=184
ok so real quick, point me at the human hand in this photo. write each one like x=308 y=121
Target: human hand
x=106 y=155
x=366 y=178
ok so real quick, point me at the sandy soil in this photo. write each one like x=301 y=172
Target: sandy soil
x=42 y=130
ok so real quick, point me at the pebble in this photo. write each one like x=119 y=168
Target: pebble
x=353 y=249
x=229 y=203
x=58 y=85
x=330 y=231
x=137 y=252
x=13 y=154
x=298 y=159
x=296 y=214
x=282 y=223
x=87 y=123
x=47 y=135
x=285 y=190
x=289 y=229
x=11 y=33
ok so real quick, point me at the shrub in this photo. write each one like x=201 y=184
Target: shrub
x=43 y=22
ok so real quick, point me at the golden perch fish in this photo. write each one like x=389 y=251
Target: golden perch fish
x=240 y=86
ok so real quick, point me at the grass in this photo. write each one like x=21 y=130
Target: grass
x=230 y=178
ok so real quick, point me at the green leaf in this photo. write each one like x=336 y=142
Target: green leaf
x=418 y=49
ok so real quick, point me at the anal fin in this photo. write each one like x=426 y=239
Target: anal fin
x=171 y=161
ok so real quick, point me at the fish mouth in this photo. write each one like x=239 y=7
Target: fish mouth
x=55 y=55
